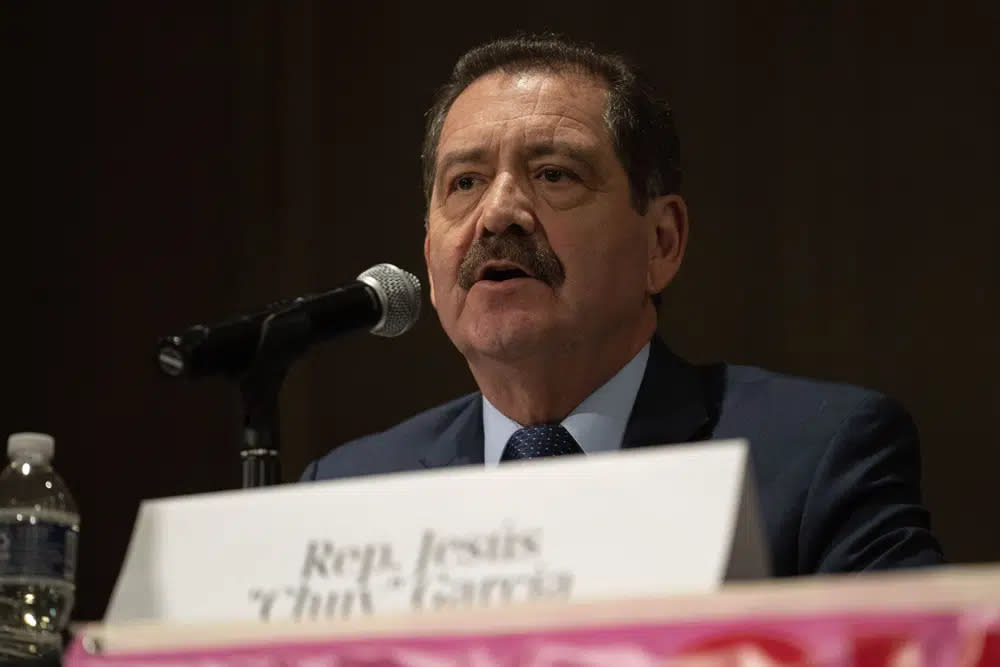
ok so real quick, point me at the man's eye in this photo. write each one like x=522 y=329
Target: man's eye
x=465 y=183
x=554 y=175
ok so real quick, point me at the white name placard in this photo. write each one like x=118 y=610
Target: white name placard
x=642 y=522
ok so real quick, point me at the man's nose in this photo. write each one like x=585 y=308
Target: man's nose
x=506 y=205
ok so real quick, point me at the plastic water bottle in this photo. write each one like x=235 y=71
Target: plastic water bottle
x=39 y=529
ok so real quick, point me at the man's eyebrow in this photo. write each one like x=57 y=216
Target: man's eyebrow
x=576 y=152
x=450 y=158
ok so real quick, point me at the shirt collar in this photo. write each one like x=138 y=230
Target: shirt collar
x=597 y=424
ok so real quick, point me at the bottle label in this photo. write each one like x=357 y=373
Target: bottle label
x=40 y=549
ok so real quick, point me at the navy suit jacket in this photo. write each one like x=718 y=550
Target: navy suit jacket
x=837 y=467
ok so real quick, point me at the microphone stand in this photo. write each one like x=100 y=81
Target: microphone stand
x=282 y=341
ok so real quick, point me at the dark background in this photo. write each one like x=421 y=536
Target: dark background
x=170 y=163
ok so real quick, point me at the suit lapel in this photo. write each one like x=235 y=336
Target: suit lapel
x=461 y=443
x=670 y=406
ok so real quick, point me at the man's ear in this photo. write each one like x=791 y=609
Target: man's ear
x=667 y=218
x=427 y=263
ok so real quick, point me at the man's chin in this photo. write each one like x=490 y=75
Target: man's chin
x=509 y=337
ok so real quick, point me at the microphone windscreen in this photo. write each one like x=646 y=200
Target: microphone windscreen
x=399 y=294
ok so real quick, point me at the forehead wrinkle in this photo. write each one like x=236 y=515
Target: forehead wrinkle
x=560 y=119
x=567 y=133
x=528 y=88
x=499 y=101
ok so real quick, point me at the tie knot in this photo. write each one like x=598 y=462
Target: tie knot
x=533 y=442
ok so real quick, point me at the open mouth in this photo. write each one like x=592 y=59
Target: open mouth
x=500 y=272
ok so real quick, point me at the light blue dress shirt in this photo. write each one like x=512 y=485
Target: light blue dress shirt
x=597 y=424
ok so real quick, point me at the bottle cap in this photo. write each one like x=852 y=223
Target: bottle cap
x=31 y=443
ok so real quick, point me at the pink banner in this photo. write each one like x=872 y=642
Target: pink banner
x=970 y=639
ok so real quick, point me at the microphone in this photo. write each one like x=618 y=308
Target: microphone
x=384 y=299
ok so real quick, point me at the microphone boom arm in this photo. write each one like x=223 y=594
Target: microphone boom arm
x=284 y=338
x=258 y=350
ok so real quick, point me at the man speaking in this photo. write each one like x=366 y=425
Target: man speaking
x=554 y=221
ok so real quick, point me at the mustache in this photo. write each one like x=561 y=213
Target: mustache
x=523 y=250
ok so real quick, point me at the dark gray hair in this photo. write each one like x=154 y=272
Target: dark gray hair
x=640 y=124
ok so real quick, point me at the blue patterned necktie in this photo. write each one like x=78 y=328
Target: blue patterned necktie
x=534 y=442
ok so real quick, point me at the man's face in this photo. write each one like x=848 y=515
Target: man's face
x=532 y=239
